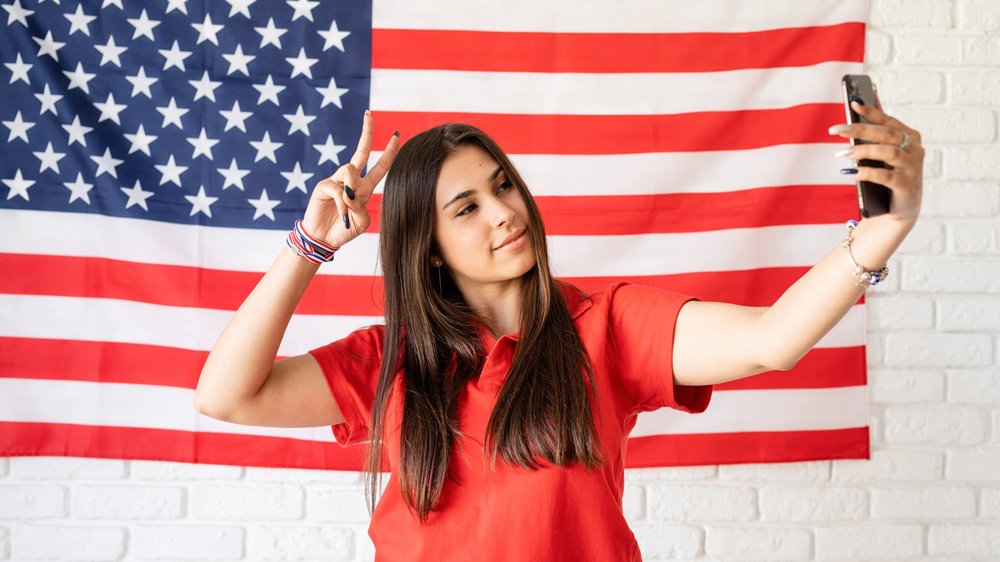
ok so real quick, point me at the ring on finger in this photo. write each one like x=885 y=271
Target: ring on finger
x=906 y=141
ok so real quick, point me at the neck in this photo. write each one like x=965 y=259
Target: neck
x=499 y=304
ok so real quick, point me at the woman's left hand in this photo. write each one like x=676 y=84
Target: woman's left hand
x=904 y=170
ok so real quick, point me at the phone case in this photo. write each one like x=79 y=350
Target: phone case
x=873 y=198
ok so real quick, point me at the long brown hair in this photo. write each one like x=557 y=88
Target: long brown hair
x=542 y=409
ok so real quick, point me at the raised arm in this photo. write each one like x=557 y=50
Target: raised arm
x=240 y=381
x=720 y=342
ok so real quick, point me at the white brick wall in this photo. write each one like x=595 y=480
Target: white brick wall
x=930 y=492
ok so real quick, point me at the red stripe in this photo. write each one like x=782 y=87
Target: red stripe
x=42 y=439
x=96 y=361
x=749 y=447
x=420 y=49
x=631 y=134
x=70 y=440
x=340 y=295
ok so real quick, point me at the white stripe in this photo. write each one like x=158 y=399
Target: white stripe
x=157 y=407
x=142 y=241
x=602 y=16
x=124 y=405
x=655 y=173
x=738 y=411
x=73 y=318
x=113 y=320
x=565 y=93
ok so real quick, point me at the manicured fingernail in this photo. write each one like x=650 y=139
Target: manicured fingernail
x=396 y=133
x=368 y=112
x=846 y=152
x=347 y=221
x=838 y=129
x=350 y=192
x=846 y=171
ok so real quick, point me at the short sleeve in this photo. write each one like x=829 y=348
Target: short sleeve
x=351 y=367
x=641 y=327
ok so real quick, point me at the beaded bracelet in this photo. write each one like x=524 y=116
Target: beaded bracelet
x=309 y=247
x=867 y=278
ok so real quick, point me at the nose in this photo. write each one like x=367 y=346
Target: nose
x=502 y=213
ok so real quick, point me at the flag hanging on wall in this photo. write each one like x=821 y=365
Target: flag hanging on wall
x=153 y=157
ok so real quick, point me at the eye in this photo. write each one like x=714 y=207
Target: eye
x=504 y=186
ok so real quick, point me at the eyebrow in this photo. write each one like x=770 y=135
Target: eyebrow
x=469 y=192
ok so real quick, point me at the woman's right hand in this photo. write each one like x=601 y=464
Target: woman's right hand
x=330 y=202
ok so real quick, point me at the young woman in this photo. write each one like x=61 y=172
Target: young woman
x=498 y=398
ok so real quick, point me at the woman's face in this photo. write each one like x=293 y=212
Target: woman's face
x=477 y=208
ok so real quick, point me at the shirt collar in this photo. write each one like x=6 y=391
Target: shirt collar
x=576 y=302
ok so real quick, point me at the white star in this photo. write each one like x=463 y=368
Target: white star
x=18 y=128
x=178 y=5
x=111 y=52
x=301 y=64
x=201 y=203
x=79 y=189
x=202 y=145
x=240 y=6
x=174 y=57
x=48 y=46
x=143 y=26
x=19 y=70
x=299 y=121
x=79 y=21
x=238 y=61
x=49 y=158
x=172 y=114
x=16 y=13
x=329 y=150
x=170 y=171
x=78 y=78
x=303 y=8
x=235 y=117
x=332 y=94
x=114 y=2
x=334 y=37
x=204 y=88
x=110 y=110
x=296 y=179
x=207 y=30
x=48 y=100
x=76 y=132
x=141 y=84
x=105 y=163
x=263 y=206
x=270 y=35
x=265 y=148
x=140 y=141
x=136 y=196
x=234 y=175
x=18 y=186
x=268 y=91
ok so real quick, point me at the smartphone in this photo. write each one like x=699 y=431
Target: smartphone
x=873 y=198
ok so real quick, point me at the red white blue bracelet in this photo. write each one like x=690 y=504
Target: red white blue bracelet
x=308 y=247
x=867 y=278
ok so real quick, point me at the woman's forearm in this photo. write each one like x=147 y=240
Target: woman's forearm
x=814 y=304
x=243 y=356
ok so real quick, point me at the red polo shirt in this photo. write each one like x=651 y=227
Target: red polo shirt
x=554 y=513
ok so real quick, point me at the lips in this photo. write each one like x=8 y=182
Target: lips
x=512 y=237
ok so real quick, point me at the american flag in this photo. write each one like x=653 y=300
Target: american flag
x=153 y=156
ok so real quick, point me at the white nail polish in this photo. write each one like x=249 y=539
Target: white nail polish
x=846 y=152
x=837 y=129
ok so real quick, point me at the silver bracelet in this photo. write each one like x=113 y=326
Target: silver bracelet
x=867 y=278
